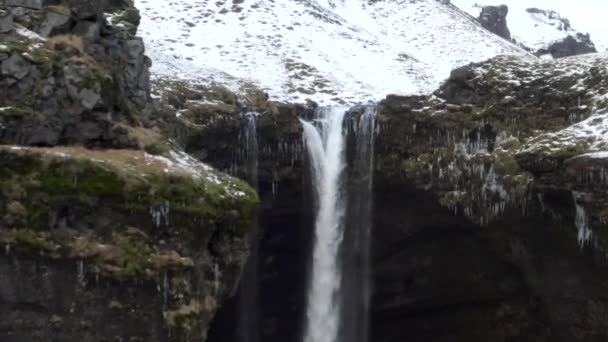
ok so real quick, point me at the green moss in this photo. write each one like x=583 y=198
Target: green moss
x=505 y=163
x=91 y=82
x=409 y=166
x=134 y=261
x=113 y=96
x=29 y=241
x=198 y=206
x=183 y=321
x=518 y=184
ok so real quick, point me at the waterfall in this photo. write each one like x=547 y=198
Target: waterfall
x=356 y=288
x=249 y=141
x=248 y=290
x=581 y=222
x=324 y=140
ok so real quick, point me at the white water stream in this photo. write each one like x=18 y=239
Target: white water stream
x=325 y=143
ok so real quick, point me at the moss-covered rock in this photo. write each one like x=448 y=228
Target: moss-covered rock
x=494 y=130
x=134 y=218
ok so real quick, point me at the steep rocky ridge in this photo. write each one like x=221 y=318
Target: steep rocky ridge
x=109 y=231
x=542 y=32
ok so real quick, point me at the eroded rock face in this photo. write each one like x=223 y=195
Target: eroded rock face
x=137 y=243
x=116 y=244
x=72 y=69
x=210 y=123
x=494 y=19
x=483 y=197
x=523 y=207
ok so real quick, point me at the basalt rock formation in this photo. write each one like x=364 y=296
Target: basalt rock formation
x=494 y=19
x=68 y=76
x=108 y=230
x=490 y=208
x=490 y=201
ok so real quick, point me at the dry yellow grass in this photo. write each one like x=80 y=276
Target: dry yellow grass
x=66 y=42
x=63 y=10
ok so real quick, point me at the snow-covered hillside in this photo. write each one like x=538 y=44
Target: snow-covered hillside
x=535 y=28
x=325 y=50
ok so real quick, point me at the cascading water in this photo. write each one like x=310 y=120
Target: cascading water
x=324 y=140
x=356 y=273
x=248 y=291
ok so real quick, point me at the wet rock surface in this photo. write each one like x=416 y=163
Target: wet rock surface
x=490 y=201
x=481 y=226
x=108 y=230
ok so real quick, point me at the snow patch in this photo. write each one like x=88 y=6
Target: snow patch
x=348 y=51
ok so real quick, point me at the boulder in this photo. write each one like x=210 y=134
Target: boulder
x=52 y=21
x=6 y=22
x=82 y=85
x=16 y=66
x=89 y=30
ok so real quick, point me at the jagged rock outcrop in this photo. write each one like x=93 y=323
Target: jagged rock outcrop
x=71 y=77
x=494 y=19
x=575 y=43
x=578 y=44
x=109 y=231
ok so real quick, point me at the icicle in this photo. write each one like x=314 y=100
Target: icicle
x=160 y=213
x=81 y=274
x=581 y=222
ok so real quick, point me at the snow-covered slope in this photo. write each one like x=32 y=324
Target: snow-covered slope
x=534 y=28
x=325 y=50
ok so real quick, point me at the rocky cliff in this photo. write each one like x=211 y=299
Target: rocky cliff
x=490 y=196
x=542 y=32
x=109 y=231
x=490 y=207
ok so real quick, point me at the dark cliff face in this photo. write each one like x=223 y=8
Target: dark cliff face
x=108 y=231
x=494 y=19
x=487 y=241
x=211 y=125
x=489 y=214
x=478 y=230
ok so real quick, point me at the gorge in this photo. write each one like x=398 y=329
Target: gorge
x=135 y=206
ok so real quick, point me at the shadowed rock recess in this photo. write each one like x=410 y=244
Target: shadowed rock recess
x=489 y=222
